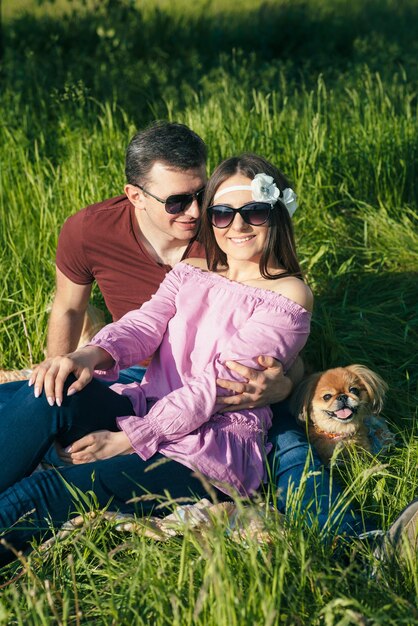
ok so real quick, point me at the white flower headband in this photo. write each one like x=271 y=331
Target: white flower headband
x=264 y=189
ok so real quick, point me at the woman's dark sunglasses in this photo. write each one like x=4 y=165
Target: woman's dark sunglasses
x=254 y=213
x=179 y=202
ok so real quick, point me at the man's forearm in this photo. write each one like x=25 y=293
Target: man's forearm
x=64 y=331
x=296 y=372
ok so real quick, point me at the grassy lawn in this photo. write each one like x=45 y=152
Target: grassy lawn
x=328 y=91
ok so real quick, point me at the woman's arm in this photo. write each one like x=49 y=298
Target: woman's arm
x=184 y=410
x=138 y=334
x=124 y=343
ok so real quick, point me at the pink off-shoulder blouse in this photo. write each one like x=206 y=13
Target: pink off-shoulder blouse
x=195 y=322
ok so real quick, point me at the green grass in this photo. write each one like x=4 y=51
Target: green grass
x=328 y=92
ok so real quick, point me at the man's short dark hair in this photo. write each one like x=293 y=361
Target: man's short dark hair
x=174 y=145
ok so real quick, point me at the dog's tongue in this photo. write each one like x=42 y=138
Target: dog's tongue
x=344 y=413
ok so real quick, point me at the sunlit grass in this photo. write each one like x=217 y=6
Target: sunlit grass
x=354 y=224
x=97 y=575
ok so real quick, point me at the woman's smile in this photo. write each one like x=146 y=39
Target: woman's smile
x=241 y=240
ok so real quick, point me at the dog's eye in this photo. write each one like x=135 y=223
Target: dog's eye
x=355 y=391
x=327 y=397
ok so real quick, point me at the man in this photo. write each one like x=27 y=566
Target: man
x=127 y=244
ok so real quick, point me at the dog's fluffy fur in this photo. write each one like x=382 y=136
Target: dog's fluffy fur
x=334 y=404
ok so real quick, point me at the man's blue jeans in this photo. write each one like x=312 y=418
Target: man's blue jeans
x=132 y=374
x=28 y=426
x=8 y=390
x=129 y=375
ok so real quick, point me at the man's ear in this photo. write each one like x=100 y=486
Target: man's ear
x=135 y=196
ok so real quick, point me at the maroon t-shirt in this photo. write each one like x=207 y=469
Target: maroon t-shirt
x=101 y=243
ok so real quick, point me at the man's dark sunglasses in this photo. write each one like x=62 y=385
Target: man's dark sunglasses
x=254 y=213
x=177 y=203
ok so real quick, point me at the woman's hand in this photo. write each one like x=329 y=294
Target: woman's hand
x=97 y=446
x=51 y=374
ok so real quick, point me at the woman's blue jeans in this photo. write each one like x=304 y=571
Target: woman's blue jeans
x=304 y=486
x=33 y=503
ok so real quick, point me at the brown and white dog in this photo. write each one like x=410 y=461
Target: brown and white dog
x=334 y=404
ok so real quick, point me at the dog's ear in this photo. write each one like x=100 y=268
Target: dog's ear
x=301 y=398
x=374 y=384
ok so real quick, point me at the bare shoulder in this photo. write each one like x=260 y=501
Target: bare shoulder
x=200 y=263
x=294 y=289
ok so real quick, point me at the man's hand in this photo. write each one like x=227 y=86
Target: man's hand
x=262 y=387
x=97 y=446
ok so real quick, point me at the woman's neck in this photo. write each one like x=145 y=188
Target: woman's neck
x=246 y=271
x=242 y=274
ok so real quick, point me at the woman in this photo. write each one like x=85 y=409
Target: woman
x=247 y=299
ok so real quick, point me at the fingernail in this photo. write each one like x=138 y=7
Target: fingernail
x=36 y=392
x=228 y=363
x=50 y=401
x=30 y=383
x=71 y=392
x=58 y=401
x=68 y=449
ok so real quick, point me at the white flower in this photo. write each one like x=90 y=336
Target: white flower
x=264 y=189
x=289 y=200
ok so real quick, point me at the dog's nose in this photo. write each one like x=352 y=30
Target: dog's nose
x=342 y=398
